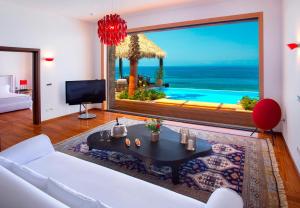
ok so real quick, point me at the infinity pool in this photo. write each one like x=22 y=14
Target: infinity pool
x=204 y=95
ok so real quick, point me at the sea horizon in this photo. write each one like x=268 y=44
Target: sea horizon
x=208 y=77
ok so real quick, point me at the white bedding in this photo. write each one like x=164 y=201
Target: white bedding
x=12 y=102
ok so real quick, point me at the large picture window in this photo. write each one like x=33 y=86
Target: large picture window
x=201 y=66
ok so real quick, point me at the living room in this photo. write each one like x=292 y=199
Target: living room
x=192 y=142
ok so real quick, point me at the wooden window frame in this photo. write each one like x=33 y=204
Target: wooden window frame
x=236 y=118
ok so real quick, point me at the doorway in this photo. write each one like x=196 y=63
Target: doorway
x=36 y=94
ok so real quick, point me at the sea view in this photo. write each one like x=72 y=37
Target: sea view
x=205 y=83
x=237 y=78
x=207 y=63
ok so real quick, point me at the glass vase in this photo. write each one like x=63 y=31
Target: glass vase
x=155 y=136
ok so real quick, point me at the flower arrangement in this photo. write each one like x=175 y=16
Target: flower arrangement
x=154 y=125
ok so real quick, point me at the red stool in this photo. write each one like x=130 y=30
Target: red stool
x=266 y=115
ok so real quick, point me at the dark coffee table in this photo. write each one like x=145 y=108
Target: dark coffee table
x=166 y=152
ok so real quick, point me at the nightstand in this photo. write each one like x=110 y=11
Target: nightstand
x=24 y=91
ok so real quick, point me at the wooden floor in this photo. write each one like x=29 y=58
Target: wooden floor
x=17 y=126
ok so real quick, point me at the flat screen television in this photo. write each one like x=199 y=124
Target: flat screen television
x=85 y=91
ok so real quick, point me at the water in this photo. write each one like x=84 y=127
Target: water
x=227 y=84
x=206 y=95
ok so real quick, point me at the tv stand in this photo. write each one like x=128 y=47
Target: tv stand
x=86 y=114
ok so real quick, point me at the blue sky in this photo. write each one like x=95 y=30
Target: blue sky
x=232 y=44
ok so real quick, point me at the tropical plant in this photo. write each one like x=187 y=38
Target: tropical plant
x=123 y=94
x=140 y=94
x=248 y=103
x=143 y=81
x=143 y=94
x=154 y=124
x=155 y=94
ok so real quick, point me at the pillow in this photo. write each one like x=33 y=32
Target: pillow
x=6 y=162
x=29 y=150
x=224 y=197
x=30 y=176
x=18 y=193
x=4 y=89
x=71 y=197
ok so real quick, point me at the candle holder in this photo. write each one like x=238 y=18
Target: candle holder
x=191 y=142
x=127 y=142
x=137 y=142
x=184 y=135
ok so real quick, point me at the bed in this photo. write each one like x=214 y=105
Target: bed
x=10 y=101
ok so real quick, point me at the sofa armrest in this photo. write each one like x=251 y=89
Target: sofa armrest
x=29 y=150
x=224 y=197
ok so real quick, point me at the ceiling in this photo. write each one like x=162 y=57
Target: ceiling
x=92 y=10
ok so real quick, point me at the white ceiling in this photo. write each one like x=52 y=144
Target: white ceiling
x=92 y=10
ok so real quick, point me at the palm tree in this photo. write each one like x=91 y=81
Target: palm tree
x=134 y=56
x=135 y=47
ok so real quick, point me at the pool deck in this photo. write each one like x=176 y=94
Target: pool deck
x=193 y=104
x=197 y=104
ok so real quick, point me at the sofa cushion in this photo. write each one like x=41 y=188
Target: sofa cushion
x=30 y=176
x=111 y=187
x=4 y=162
x=18 y=193
x=29 y=149
x=70 y=197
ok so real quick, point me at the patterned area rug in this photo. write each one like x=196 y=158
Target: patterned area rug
x=244 y=164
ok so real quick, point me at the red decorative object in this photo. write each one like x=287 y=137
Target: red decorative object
x=112 y=29
x=49 y=59
x=23 y=82
x=293 y=45
x=266 y=115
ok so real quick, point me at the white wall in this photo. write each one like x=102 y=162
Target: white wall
x=70 y=41
x=291 y=78
x=272 y=30
x=17 y=64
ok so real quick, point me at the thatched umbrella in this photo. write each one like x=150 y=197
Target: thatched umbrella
x=135 y=47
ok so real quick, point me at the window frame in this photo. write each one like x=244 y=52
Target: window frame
x=124 y=106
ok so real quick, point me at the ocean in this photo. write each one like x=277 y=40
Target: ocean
x=231 y=78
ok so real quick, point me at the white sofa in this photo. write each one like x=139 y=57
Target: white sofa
x=16 y=192
x=112 y=188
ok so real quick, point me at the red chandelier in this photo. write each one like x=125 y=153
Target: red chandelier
x=112 y=29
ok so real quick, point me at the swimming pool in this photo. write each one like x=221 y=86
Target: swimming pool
x=205 y=95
